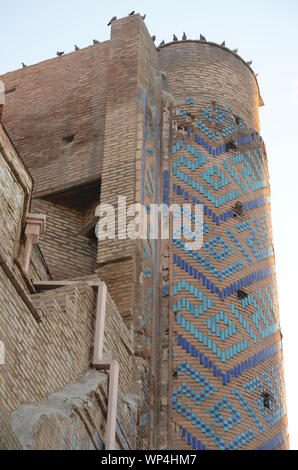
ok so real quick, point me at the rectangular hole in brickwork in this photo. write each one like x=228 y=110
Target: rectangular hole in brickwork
x=237 y=119
x=231 y=146
x=10 y=90
x=77 y=197
x=68 y=139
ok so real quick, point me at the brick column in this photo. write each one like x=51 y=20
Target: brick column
x=130 y=156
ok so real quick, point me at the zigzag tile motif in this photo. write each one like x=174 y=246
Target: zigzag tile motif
x=186 y=409
x=273 y=443
x=229 y=289
x=237 y=370
x=203 y=260
x=180 y=190
x=227 y=350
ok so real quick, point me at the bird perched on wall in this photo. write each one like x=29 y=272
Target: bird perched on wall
x=175 y=37
x=249 y=62
x=162 y=43
x=95 y=41
x=60 y=53
x=77 y=48
x=184 y=37
x=143 y=17
x=131 y=13
x=223 y=43
x=111 y=20
x=153 y=38
x=24 y=65
x=202 y=38
x=235 y=51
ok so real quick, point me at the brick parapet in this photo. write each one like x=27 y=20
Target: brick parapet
x=200 y=69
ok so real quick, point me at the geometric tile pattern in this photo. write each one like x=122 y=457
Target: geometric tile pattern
x=226 y=346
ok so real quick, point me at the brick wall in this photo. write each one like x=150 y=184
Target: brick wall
x=41 y=358
x=119 y=344
x=49 y=355
x=118 y=172
x=54 y=99
x=15 y=191
x=133 y=96
x=120 y=279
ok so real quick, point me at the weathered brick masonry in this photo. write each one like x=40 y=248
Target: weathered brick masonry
x=54 y=100
x=196 y=332
x=42 y=357
x=226 y=351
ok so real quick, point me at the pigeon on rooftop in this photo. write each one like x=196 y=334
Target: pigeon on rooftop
x=162 y=43
x=249 y=62
x=175 y=37
x=60 y=53
x=24 y=65
x=131 y=13
x=223 y=43
x=77 y=48
x=184 y=37
x=111 y=20
x=143 y=17
x=202 y=38
x=153 y=38
x=95 y=41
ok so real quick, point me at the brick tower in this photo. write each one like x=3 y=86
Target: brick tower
x=195 y=332
x=227 y=387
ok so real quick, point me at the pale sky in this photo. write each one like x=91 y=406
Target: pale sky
x=265 y=31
